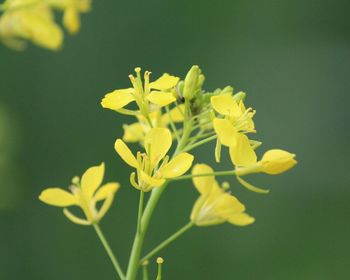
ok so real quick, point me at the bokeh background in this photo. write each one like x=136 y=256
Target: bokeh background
x=293 y=60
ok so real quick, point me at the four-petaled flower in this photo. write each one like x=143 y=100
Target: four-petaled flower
x=85 y=193
x=158 y=92
x=237 y=119
x=153 y=167
x=215 y=205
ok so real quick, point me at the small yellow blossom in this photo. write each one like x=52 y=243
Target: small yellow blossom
x=34 y=22
x=243 y=156
x=237 y=119
x=136 y=132
x=153 y=167
x=215 y=206
x=158 y=92
x=85 y=194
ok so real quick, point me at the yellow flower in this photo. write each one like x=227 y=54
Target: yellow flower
x=136 y=132
x=32 y=22
x=237 y=119
x=215 y=206
x=153 y=167
x=85 y=194
x=72 y=10
x=157 y=92
x=243 y=156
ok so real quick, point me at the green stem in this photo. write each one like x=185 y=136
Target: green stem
x=144 y=272
x=109 y=251
x=134 y=260
x=159 y=274
x=185 y=138
x=173 y=127
x=219 y=173
x=167 y=241
x=139 y=216
x=140 y=236
x=199 y=143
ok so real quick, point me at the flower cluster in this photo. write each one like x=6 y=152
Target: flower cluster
x=172 y=118
x=34 y=20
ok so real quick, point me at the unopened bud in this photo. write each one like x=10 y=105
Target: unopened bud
x=191 y=82
x=239 y=96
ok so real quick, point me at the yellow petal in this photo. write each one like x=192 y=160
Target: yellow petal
x=241 y=152
x=277 y=161
x=241 y=219
x=177 y=166
x=176 y=114
x=203 y=184
x=201 y=214
x=117 y=99
x=225 y=131
x=84 y=5
x=104 y=191
x=157 y=144
x=92 y=179
x=75 y=219
x=125 y=153
x=105 y=206
x=150 y=182
x=225 y=105
x=226 y=204
x=71 y=20
x=133 y=132
x=57 y=197
x=164 y=82
x=41 y=29
x=161 y=98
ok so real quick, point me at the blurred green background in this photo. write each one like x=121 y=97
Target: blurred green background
x=293 y=60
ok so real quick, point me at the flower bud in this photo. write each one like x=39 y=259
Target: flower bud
x=239 y=96
x=277 y=161
x=191 y=82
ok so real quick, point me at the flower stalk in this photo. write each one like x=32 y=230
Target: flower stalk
x=167 y=241
x=109 y=252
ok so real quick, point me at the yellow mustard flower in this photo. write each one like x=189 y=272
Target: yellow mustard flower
x=158 y=92
x=215 y=205
x=71 y=12
x=85 y=193
x=243 y=156
x=35 y=22
x=136 y=132
x=153 y=167
x=237 y=119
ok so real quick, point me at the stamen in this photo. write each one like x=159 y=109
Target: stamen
x=76 y=180
x=146 y=78
x=225 y=186
x=133 y=180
